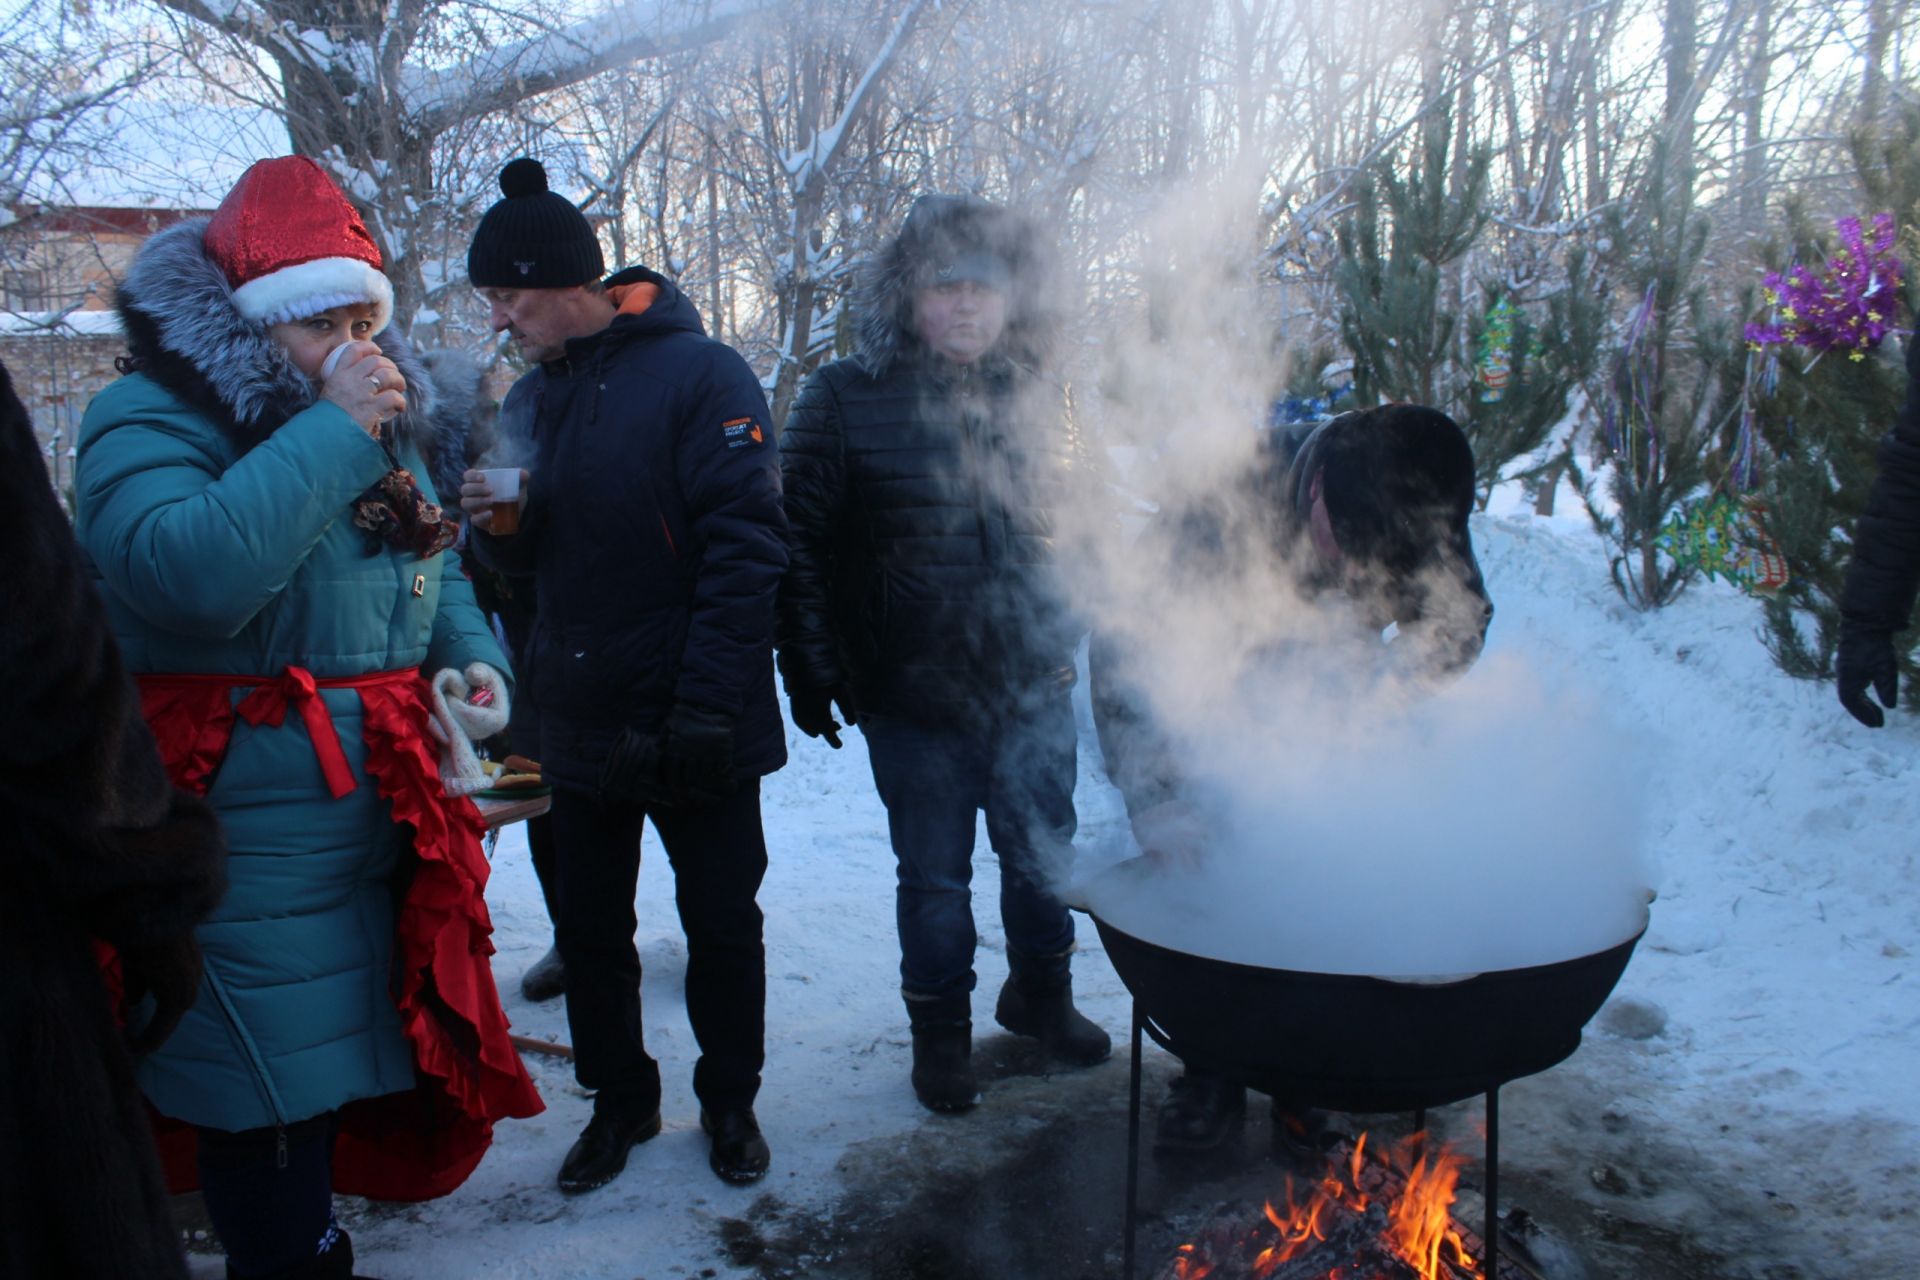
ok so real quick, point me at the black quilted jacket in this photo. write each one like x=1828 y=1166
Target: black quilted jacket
x=923 y=507
x=1885 y=569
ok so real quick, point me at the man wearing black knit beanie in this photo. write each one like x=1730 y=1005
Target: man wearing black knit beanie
x=650 y=525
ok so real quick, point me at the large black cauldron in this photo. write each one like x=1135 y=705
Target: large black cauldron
x=1350 y=1043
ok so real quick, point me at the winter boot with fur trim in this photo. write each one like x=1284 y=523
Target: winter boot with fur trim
x=1037 y=1001
x=943 y=1076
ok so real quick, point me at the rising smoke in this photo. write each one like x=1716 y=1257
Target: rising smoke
x=1346 y=808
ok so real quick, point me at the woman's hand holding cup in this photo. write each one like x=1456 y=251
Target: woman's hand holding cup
x=359 y=378
x=492 y=499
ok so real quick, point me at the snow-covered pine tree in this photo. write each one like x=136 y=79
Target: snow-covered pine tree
x=1403 y=330
x=1541 y=366
x=1392 y=315
x=1671 y=389
x=1819 y=422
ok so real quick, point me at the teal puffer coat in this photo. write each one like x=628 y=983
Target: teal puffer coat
x=225 y=551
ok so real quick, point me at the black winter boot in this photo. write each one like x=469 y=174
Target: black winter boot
x=943 y=1076
x=335 y=1263
x=1302 y=1134
x=546 y=980
x=1037 y=1001
x=1201 y=1112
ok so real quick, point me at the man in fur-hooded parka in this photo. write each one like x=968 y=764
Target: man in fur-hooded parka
x=927 y=480
x=97 y=845
x=922 y=492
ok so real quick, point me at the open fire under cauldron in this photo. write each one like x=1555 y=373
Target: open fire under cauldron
x=1344 y=1042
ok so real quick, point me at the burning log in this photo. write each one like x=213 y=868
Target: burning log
x=1367 y=1217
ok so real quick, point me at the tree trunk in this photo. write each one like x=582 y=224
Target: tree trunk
x=1682 y=42
x=1590 y=117
x=1873 y=80
x=1543 y=499
x=1753 y=153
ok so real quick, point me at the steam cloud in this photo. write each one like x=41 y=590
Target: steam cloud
x=1493 y=824
x=1359 y=815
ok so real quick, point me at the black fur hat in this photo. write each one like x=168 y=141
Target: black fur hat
x=533 y=238
x=1398 y=483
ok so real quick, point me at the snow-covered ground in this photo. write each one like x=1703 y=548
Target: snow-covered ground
x=1751 y=1088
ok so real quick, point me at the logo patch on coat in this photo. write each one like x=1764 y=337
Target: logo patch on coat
x=741 y=432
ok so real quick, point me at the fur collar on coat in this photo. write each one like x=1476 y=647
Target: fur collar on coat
x=185 y=333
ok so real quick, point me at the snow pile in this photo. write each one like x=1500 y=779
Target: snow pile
x=1750 y=1089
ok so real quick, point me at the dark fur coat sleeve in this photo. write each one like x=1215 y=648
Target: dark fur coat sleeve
x=104 y=839
x=94 y=843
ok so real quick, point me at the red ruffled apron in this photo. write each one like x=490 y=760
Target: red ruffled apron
x=424 y=1142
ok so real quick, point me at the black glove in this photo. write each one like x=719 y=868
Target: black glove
x=168 y=971
x=1865 y=657
x=812 y=711
x=634 y=770
x=697 y=763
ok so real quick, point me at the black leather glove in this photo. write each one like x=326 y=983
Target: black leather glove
x=697 y=763
x=1865 y=657
x=169 y=972
x=634 y=770
x=812 y=711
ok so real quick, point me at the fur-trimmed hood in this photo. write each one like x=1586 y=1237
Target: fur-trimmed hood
x=940 y=227
x=185 y=332
x=469 y=415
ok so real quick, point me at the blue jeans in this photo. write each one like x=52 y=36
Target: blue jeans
x=933 y=780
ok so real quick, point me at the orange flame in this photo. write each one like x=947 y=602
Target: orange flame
x=1419 y=1223
x=1419 y=1231
x=1188 y=1267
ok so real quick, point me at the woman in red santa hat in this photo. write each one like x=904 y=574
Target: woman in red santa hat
x=278 y=573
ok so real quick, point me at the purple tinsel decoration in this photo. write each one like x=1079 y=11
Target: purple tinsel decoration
x=1850 y=306
x=1636 y=373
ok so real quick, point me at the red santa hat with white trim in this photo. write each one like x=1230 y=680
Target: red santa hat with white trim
x=292 y=246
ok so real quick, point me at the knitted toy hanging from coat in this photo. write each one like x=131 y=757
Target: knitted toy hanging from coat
x=395 y=513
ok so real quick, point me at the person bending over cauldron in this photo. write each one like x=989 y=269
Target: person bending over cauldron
x=1370 y=509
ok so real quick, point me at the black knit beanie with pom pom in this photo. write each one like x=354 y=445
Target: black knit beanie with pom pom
x=534 y=238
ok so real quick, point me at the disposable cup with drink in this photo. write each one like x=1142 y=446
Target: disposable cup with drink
x=332 y=361
x=505 y=483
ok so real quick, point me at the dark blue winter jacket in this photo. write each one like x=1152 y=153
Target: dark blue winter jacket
x=654 y=531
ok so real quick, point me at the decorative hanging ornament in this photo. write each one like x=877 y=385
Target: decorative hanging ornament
x=1850 y=305
x=1495 y=365
x=1726 y=537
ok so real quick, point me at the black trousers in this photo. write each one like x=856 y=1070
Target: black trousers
x=269 y=1193
x=719 y=856
x=540 y=851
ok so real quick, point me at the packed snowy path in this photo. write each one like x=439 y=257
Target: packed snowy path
x=1749 y=1096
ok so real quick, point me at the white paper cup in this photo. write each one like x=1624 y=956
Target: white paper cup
x=332 y=361
x=505 y=483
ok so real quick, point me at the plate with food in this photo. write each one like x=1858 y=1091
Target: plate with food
x=515 y=778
